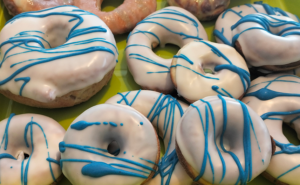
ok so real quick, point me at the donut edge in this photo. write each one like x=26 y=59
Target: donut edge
x=11 y=7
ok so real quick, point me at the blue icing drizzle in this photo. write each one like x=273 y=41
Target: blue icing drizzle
x=26 y=80
x=6 y=156
x=267 y=94
x=184 y=57
x=5 y=135
x=81 y=125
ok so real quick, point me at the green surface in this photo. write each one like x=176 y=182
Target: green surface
x=122 y=79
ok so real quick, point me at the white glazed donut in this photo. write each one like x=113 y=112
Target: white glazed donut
x=222 y=141
x=229 y=72
x=85 y=159
x=223 y=31
x=49 y=53
x=164 y=112
x=276 y=99
x=29 y=153
x=172 y=25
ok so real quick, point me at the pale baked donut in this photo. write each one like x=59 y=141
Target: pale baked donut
x=171 y=25
x=223 y=31
x=204 y=10
x=29 y=152
x=229 y=74
x=56 y=57
x=164 y=112
x=280 y=34
x=222 y=141
x=122 y=19
x=15 y=7
x=276 y=99
x=85 y=159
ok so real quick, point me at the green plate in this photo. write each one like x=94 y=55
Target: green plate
x=122 y=79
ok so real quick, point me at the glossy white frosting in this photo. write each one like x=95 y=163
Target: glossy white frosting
x=164 y=112
x=282 y=96
x=132 y=131
x=200 y=133
x=45 y=134
x=90 y=46
x=171 y=25
x=193 y=83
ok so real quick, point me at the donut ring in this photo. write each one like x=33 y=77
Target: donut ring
x=235 y=150
x=276 y=99
x=29 y=152
x=122 y=19
x=60 y=64
x=172 y=25
x=229 y=72
x=164 y=112
x=85 y=159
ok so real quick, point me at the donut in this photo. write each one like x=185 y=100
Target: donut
x=84 y=155
x=204 y=10
x=276 y=99
x=220 y=140
x=122 y=19
x=223 y=31
x=214 y=69
x=164 y=112
x=29 y=152
x=15 y=7
x=171 y=25
x=57 y=57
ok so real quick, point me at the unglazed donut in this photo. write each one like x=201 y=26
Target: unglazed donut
x=223 y=31
x=124 y=18
x=276 y=99
x=15 y=7
x=164 y=112
x=56 y=57
x=229 y=77
x=85 y=159
x=172 y=25
x=222 y=141
x=29 y=152
x=204 y=10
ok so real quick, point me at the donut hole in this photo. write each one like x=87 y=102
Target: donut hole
x=167 y=51
x=113 y=148
x=21 y=155
x=208 y=68
x=26 y=156
x=108 y=5
x=290 y=134
x=56 y=35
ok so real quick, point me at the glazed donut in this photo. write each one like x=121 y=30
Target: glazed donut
x=15 y=7
x=279 y=33
x=223 y=31
x=229 y=74
x=85 y=159
x=56 y=57
x=164 y=112
x=276 y=99
x=204 y=10
x=220 y=140
x=170 y=25
x=124 y=18
x=29 y=152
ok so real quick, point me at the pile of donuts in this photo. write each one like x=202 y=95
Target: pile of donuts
x=225 y=126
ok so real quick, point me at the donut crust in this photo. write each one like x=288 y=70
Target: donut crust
x=68 y=100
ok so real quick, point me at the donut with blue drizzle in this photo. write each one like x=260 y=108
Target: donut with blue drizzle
x=170 y=25
x=221 y=140
x=85 y=154
x=29 y=151
x=49 y=57
x=276 y=99
x=164 y=112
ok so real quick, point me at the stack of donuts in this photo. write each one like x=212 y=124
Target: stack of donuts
x=211 y=114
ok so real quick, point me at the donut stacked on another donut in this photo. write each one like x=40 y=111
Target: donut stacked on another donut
x=172 y=25
x=29 y=152
x=58 y=57
x=276 y=99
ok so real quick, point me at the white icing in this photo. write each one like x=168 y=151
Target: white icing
x=135 y=140
x=171 y=25
x=192 y=135
x=39 y=172
x=59 y=76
